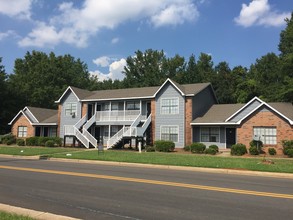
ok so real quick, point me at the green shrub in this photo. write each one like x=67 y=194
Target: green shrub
x=8 y=139
x=58 y=141
x=214 y=147
x=253 y=150
x=164 y=146
x=20 y=142
x=255 y=143
x=150 y=149
x=290 y=152
x=50 y=143
x=186 y=148
x=211 y=151
x=238 y=149
x=272 y=151
x=197 y=148
x=42 y=140
x=32 y=141
x=287 y=145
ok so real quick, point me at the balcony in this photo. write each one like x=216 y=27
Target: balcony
x=129 y=115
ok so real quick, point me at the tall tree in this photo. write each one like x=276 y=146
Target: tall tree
x=286 y=49
x=205 y=67
x=39 y=79
x=144 y=69
x=191 y=71
x=3 y=99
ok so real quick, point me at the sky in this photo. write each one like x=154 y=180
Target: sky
x=103 y=33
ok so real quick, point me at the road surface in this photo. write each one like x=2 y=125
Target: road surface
x=91 y=191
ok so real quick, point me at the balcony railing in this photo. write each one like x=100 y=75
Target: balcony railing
x=129 y=115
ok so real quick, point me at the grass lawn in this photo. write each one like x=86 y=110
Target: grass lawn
x=31 y=151
x=176 y=159
x=193 y=160
x=9 y=216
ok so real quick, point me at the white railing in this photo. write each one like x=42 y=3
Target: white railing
x=128 y=115
x=80 y=122
x=90 y=138
x=81 y=137
x=114 y=139
x=90 y=122
x=142 y=129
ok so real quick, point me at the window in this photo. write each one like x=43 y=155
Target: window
x=210 y=134
x=134 y=105
x=53 y=132
x=70 y=109
x=22 y=131
x=169 y=133
x=170 y=106
x=268 y=135
x=114 y=107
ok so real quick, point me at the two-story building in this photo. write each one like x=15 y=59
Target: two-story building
x=180 y=113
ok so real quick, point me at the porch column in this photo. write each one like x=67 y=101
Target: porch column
x=110 y=107
x=124 y=109
x=140 y=106
x=109 y=135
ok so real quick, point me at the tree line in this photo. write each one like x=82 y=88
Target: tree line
x=38 y=79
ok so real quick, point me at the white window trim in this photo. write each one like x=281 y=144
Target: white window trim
x=167 y=99
x=72 y=112
x=170 y=126
x=210 y=127
x=22 y=131
x=264 y=136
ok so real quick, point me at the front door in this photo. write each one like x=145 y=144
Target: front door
x=230 y=137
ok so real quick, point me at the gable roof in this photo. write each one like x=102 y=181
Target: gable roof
x=41 y=116
x=221 y=114
x=133 y=93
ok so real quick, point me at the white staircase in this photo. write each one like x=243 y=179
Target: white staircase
x=85 y=137
x=132 y=131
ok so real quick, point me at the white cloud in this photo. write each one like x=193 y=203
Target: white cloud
x=102 y=61
x=76 y=25
x=259 y=12
x=115 y=40
x=16 y=8
x=7 y=34
x=175 y=15
x=115 y=71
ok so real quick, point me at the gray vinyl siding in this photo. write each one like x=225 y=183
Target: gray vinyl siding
x=245 y=111
x=202 y=102
x=168 y=91
x=30 y=116
x=221 y=144
x=68 y=120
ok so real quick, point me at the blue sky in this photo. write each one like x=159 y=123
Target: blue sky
x=103 y=33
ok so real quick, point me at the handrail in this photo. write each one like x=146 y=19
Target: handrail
x=128 y=115
x=90 y=138
x=145 y=125
x=90 y=122
x=81 y=137
x=116 y=137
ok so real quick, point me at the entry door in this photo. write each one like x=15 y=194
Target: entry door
x=230 y=137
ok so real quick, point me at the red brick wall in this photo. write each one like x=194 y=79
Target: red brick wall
x=83 y=109
x=22 y=121
x=153 y=111
x=59 y=119
x=265 y=119
x=188 y=119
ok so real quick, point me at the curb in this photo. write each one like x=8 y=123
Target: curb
x=33 y=213
x=197 y=169
x=157 y=166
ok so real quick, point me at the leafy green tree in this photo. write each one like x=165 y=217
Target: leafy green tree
x=191 y=72
x=286 y=38
x=39 y=79
x=144 y=69
x=3 y=98
x=205 y=68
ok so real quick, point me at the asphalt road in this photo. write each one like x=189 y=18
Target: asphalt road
x=90 y=191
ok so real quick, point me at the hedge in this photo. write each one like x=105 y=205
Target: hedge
x=164 y=146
